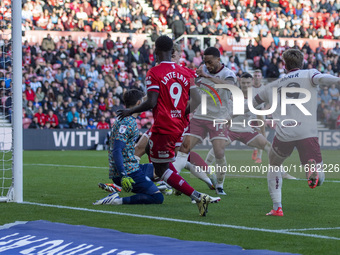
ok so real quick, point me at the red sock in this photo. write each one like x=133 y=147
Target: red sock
x=176 y=181
x=171 y=166
x=195 y=159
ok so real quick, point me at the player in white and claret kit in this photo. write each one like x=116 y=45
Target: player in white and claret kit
x=240 y=130
x=211 y=73
x=296 y=124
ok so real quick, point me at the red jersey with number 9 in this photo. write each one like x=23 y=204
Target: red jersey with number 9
x=173 y=83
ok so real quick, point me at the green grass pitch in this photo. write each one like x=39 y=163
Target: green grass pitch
x=69 y=178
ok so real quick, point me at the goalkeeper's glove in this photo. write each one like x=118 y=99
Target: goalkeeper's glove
x=127 y=183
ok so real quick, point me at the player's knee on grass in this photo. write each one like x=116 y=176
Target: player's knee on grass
x=158 y=198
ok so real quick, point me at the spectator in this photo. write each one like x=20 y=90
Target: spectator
x=63 y=122
x=35 y=124
x=250 y=50
x=117 y=106
x=90 y=124
x=197 y=60
x=264 y=64
x=48 y=43
x=102 y=124
x=334 y=93
x=326 y=97
x=74 y=124
x=83 y=120
x=334 y=116
x=273 y=70
x=35 y=84
x=41 y=117
x=108 y=44
x=52 y=119
x=30 y=95
x=72 y=114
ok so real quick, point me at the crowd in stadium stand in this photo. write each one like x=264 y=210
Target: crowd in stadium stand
x=70 y=85
x=242 y=18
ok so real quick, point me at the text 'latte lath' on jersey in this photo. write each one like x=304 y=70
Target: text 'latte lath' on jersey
x=173 y=83
x=124 y=130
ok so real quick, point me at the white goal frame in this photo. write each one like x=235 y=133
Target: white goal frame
x=15 y=193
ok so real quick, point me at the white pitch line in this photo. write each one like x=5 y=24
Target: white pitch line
x=102 y=167
x=72 y=166
x=184 y=221
x=310 y=229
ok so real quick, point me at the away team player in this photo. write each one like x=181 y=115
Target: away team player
x=214 y=72
x=303 y=136
x=243 y=132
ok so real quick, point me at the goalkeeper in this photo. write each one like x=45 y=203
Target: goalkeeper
x=124 y=168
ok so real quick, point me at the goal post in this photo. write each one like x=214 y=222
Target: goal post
x=17 y=144
x=11 y=136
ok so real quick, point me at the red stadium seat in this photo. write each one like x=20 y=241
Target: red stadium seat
x=150 y=119
x=143 y=122
x=26 y=122
x=56 y=66
x=148 y=114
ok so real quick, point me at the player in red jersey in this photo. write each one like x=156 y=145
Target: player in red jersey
x=194 y=159
x=168 y=86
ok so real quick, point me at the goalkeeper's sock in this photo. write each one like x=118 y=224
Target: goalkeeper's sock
x=176 y=181
x=181 y=160
x=210 y=157
x=198 y=173
x=156 y=198
x=274 y=179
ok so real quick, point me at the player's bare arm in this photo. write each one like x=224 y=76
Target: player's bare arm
x=148 y=104
x=194 y=102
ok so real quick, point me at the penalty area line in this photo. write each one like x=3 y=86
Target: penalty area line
x=310 y=229
x=184 y=221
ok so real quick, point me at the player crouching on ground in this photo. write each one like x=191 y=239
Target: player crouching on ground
x=124 y=168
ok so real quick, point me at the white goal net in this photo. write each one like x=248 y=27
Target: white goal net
x=6 y=126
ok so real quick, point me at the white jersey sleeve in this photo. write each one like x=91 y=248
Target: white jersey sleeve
x=318 y=78
x=295 y=125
